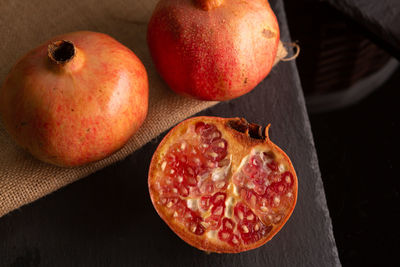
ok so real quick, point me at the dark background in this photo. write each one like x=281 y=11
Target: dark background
x=357 y=146
x=357 y=149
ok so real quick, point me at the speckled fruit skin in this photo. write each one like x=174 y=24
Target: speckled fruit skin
x=213 y=50
x=233 y=136
x=80 y=112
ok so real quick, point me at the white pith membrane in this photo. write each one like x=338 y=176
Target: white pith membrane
x=237 y=208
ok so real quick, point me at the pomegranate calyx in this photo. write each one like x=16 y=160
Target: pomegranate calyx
x=251 y=129
x=207 y=5
x=61 y=52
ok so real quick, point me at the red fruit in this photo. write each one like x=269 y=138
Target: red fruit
x=242 y=193
x=75 y=101
x=213 y=49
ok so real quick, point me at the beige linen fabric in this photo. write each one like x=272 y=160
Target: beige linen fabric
x=26 y=24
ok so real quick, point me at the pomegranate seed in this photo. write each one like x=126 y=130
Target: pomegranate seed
x=205 y=202
x=184 y=191
x=260 y=190
x=163 y=200
x=199 y=229
x=214 y=222
x=209 y=133
x=218 y=199
x=182 y=159
x=228 y=224
x=250 y=171
x=199 y=127
x=273 y=166
x=225 y=235
x=245 y=229
x=219 y=146
x=256 y=161
x=250 y=217
x=218 y=210
x=220 y=184
x=235 y=240
x=191 y=181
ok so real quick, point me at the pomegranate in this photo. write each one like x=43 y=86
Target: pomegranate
x=213 y=49
x=222 y=186
x=75 y=99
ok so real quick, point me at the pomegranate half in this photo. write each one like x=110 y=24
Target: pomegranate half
x=213 y=49
x=75 y=99
x=221 y=185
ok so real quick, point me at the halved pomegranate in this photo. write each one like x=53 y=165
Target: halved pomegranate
x=221 y=185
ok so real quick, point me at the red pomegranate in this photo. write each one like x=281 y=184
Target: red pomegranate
x=220 y=185
x=75 y=99
x=213 y=49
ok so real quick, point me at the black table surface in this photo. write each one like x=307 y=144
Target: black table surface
x=381 y=18
x=107 y=219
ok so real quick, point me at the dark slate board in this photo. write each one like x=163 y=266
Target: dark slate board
x=381 y=18
x=107 y=219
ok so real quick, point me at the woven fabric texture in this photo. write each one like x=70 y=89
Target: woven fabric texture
x=26 y=24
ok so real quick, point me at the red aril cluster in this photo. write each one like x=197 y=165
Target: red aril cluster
x=220 y=189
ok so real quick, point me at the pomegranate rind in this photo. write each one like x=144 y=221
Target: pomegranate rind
x=79 y=112
x=233 y=136
x=219 y=54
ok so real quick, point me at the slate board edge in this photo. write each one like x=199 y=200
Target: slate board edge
x=321 y=198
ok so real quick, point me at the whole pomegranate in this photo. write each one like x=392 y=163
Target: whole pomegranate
x=75 y=99
x=221 y=185
x=213 y=49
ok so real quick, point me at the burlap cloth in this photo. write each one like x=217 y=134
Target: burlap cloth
x=26 y=24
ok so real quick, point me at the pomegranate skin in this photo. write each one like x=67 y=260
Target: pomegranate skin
x=213 y=50
x=181 y=153
x=78 y=112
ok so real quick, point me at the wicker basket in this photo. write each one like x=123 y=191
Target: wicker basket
x=334 y=53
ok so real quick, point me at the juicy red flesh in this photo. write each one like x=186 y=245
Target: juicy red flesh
x=188 y=177
x=264 y=187
x=250 y=226
x=185 y=164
